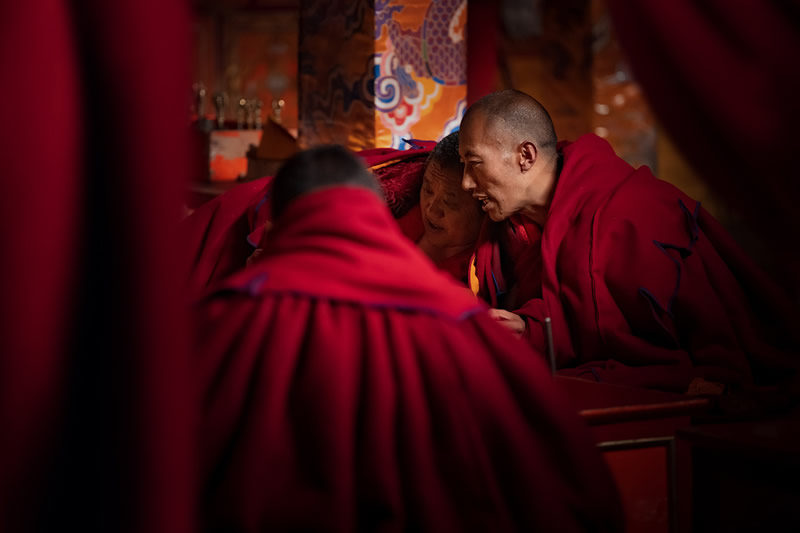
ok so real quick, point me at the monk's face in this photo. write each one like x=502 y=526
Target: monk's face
x=450 y=215
x=491 y=171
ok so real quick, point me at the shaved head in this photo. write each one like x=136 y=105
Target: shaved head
x=517 y=115
x=445 y=155
x=319 y=168
x=508 y=145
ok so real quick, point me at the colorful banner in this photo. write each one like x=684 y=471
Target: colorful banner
x=420 y=69
x=373 y=74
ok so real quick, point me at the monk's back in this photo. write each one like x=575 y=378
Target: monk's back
x=350 y=386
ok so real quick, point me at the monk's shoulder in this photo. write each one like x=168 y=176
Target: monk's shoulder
x=645 y=203
x=639 y=236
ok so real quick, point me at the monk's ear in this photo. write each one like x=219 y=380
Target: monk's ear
x=527 y=155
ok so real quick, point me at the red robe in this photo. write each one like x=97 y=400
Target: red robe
x=217 y=236
x=349 y=385
x=644 y=287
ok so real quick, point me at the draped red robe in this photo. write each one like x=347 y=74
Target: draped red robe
x=351 y=386
x=642 y=285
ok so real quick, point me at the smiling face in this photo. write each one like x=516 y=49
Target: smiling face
x=451 y=217
x=492 y=172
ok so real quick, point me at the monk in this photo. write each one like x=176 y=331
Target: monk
x=349 y=385
x=643 y=287
x=446 y=221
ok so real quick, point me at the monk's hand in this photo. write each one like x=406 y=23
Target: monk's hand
x=513 y=322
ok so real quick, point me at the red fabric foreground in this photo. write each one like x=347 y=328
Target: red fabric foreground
x=96 y=428
x=723 y=80
x=221 y=234
x=645 y=288
x=351 y=386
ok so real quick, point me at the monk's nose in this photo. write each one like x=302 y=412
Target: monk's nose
x=467 y=183
x=435 y=209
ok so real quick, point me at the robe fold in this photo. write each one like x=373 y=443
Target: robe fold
x=642 y=285
x=349 y=385
x=221 y=234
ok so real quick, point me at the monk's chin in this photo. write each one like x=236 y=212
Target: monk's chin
x=495 y=216
x=439 y=240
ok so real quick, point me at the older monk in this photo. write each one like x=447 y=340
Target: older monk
x=446 y=221
x=642 y=285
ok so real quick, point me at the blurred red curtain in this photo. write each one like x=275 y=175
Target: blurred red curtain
x=482 y=46
x=722 y=78
x=95 y=411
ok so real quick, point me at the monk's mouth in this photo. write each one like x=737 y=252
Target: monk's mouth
x=434 y=226
x=484 y=200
